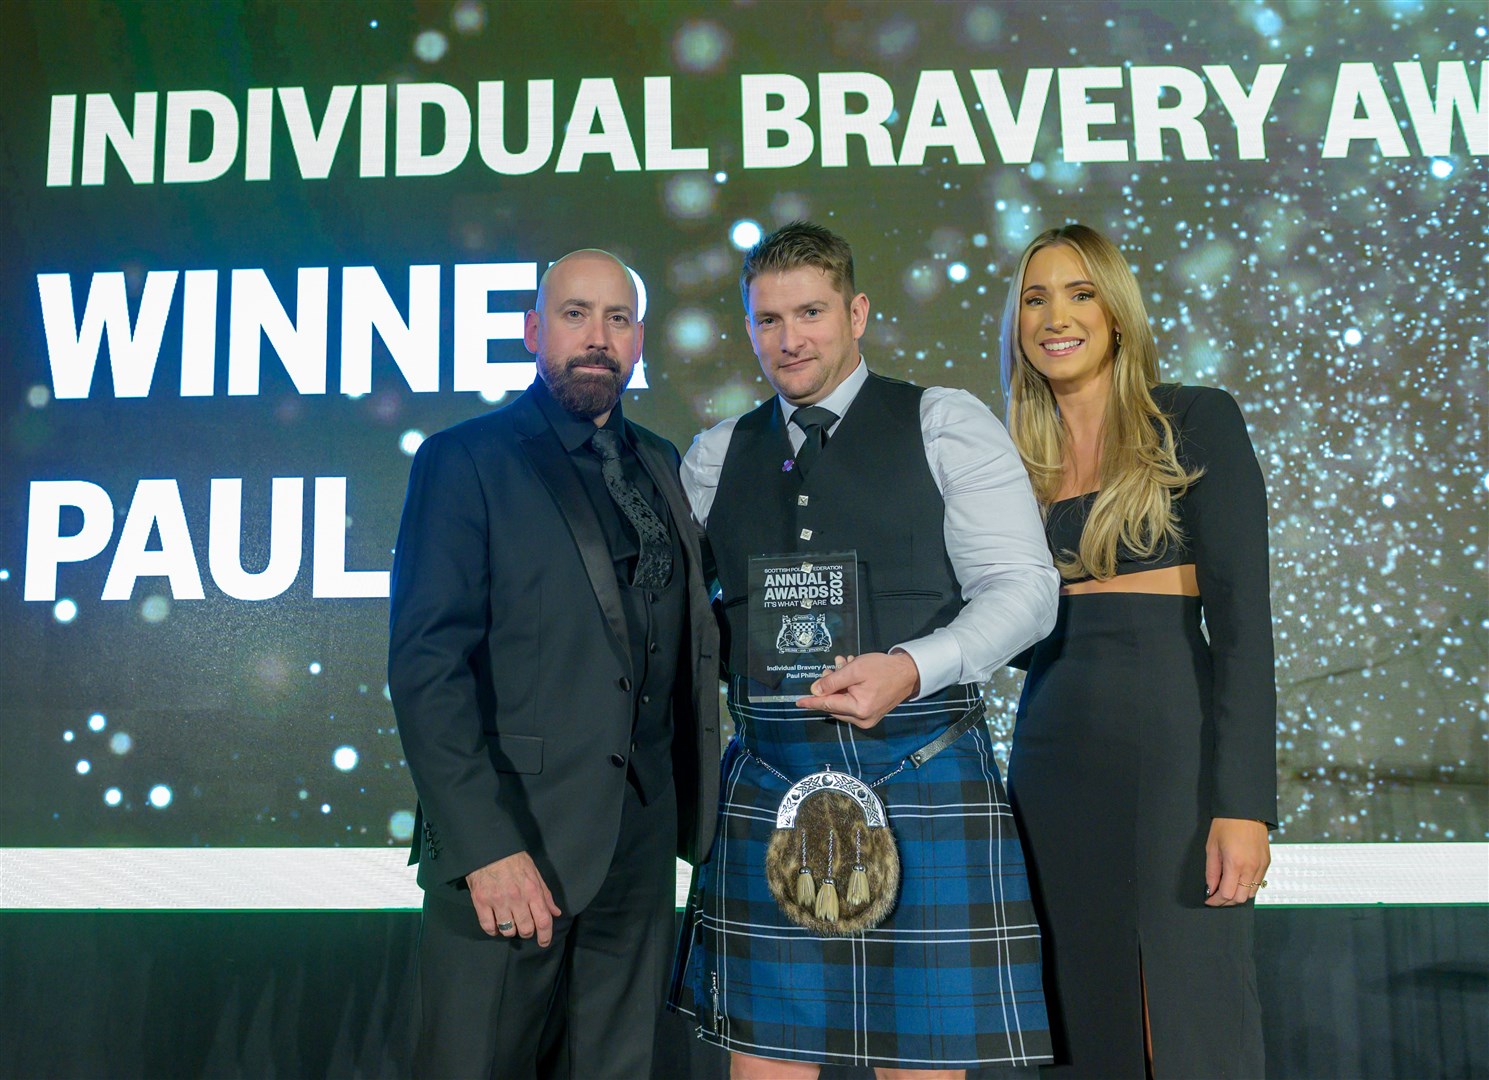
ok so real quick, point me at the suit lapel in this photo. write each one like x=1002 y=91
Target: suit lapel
x=548 y=459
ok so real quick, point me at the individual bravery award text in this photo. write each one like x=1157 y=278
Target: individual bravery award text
x=803 y=612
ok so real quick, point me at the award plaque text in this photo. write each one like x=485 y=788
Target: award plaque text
x=803 y=612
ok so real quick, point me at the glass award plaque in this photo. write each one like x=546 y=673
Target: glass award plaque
x=803 y=612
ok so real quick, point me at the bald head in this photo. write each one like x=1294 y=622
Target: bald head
x=596 y=257
x=585 y=331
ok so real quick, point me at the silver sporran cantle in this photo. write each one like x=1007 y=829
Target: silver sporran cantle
x=832 y=863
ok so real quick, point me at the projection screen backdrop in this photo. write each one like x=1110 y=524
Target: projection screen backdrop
x=254 y=252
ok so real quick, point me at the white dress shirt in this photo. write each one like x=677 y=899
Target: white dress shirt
x=993 y=532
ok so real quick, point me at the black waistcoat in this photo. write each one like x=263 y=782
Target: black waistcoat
x=657 y=623
x=871 y=491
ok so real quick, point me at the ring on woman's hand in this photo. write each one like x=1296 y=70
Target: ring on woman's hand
x=505 y=926
x=1262 y=884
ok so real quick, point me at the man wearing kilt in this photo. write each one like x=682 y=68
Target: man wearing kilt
x=954 y=578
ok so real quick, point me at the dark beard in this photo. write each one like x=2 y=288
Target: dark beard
x=589 y=394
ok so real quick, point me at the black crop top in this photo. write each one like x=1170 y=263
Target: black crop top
x=1209 y=433
x=1223 y=516
x=1066 y=523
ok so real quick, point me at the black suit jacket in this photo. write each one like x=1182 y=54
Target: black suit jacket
x=508 y=662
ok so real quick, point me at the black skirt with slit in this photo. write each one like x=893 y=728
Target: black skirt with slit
x=1110 y=779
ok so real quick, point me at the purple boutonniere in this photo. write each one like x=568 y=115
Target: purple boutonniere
x=788 y=464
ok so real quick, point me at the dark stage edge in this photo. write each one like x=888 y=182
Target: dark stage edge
x=1400 y=992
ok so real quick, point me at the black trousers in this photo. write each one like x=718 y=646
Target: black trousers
x=590 y=1000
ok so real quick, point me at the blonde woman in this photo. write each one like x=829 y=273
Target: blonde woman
x=1144 y=762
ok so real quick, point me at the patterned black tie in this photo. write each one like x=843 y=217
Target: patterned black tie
x=814 y=421
x=654 y=565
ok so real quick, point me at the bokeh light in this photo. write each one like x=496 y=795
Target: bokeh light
x=468 y=17
x=745 y=234
x=691 y=331
x=689 y=196
x=982 y=24
x=430 y=46
x=700 y=46
x=401 y=826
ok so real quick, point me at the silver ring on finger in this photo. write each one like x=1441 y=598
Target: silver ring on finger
x=506 y=927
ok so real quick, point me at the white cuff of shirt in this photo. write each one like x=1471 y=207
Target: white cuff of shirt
x=938 y=657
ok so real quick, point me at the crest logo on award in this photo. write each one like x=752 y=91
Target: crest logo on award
x=803 y=634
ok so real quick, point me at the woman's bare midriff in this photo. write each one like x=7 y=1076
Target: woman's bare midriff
x=1166 y=581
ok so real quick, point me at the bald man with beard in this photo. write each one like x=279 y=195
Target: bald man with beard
x=553 y=668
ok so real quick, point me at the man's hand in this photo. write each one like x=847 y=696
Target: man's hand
x=860 y=690
x=512 y=891
x=1236 y=861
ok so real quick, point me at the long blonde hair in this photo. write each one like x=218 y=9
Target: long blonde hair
x=1139 y=472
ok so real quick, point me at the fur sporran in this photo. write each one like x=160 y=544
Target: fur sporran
x=832 y=863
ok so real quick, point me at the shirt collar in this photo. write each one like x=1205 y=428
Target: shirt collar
x=573 y=431
x=840 y=399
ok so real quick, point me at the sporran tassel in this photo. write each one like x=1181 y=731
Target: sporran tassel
x=806 y=889
x=827 y=896
x=858 y=881
x=827 y=901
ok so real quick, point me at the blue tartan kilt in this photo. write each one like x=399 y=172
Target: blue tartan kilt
x=950 y=979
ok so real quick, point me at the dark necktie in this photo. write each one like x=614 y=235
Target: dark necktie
x=814 y=421
x=654 y=565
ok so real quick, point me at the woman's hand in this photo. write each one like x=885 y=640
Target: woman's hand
x=1236 y=859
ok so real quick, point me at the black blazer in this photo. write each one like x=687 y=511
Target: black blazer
x=508 y=660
